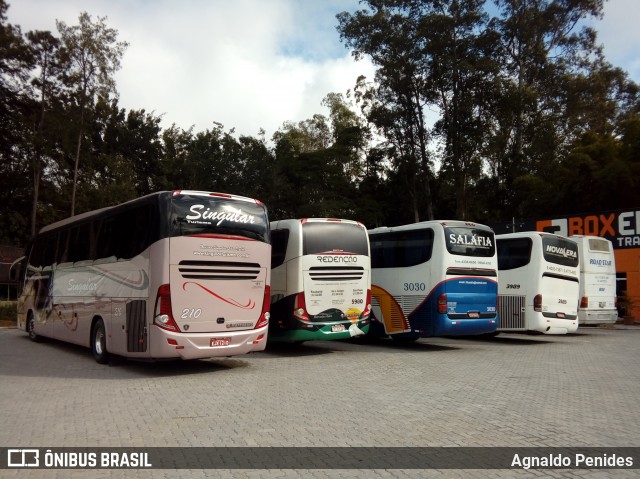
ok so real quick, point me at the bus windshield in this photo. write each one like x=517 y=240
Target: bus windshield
x=328 y=237
x=469 y=241
x=560 y=251
x=206 y=215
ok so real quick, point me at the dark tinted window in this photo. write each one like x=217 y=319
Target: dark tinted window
x=196 y=215
x=43 y=253
x=279 y=242
x=401 y=248
x=321 y=237
x=558 y=250
x=513 y=253
x=469 y=241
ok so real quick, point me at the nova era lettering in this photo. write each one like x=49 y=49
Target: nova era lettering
x=565 y=252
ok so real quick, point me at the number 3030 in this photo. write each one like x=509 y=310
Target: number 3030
x=415 y=286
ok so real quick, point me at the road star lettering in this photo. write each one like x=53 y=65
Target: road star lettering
x=234 y=215
x=600 y=262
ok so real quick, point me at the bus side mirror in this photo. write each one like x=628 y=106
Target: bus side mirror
x=15 y=270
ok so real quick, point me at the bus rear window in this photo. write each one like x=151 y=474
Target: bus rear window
x=468 y=241
x=599 y=245
x=202 y=215
x=326 y=237
x=560 y=251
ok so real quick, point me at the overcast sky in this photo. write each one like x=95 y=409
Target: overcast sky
x=250 y=64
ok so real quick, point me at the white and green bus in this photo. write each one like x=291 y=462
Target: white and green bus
x=320 y=280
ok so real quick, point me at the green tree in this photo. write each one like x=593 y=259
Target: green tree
x=14 y=103
x=92 y=55
x=46 y=89
x=396 y=103
x=543 y=46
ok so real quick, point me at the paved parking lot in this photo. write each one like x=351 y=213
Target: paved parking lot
x=511 y=391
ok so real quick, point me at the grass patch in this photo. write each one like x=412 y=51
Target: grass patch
x=8 y=313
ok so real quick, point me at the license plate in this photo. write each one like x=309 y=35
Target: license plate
x=336 y=328
x=560 y=315
x=474 y=315
x=215 y=342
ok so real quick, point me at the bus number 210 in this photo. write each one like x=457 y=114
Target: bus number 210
x=189 y=313
x=415 y=286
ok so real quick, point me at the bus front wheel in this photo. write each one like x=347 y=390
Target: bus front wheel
x=99 y=343
x=31 y=328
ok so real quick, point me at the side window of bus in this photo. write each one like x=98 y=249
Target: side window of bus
x=279 y=242
x=401 y=248
x=513 y=253
x=43 y=252
x=62 y=253
x=134 y=232
x=107 y=237
x=79 y=243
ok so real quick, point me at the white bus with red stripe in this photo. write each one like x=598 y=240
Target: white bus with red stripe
x=182 y=274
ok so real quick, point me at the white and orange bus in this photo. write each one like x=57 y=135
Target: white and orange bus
x=182 y=274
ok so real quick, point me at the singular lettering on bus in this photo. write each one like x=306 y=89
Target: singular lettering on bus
x=234 y=215
x=80 y=287
x=600 y=262
x=564 y=252
x=338 y=259
x=470 y=240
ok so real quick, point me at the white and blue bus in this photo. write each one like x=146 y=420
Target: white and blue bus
x=434 y=278
x=539 y=283
x=320 y=280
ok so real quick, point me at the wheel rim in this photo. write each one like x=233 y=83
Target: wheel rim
x=99 y=341
x=32 y=327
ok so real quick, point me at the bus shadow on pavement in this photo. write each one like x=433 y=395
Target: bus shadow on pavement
x=512 y=339
x=291 y=350
x=421 y=344
x=62 y=359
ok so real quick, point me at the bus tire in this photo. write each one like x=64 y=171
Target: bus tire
x=99 y=342
x=31 y=328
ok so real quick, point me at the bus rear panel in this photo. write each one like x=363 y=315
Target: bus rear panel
x=539 y=283
x=320 y=280
x=434 y=279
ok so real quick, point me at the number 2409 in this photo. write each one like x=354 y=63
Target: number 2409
x=415 y=286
